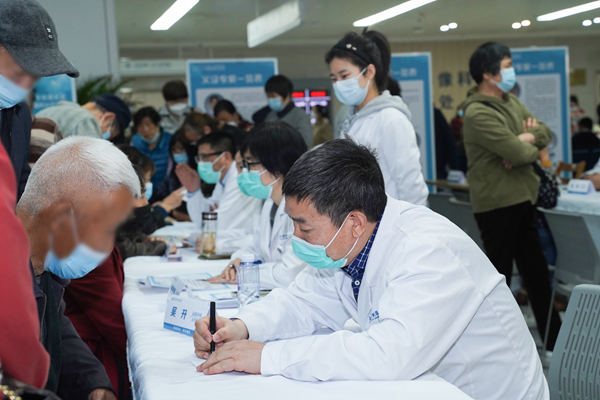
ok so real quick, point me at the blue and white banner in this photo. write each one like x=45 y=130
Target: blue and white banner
x=543 y=86
x=50 y=90
x=413 y=72
x=240 y=81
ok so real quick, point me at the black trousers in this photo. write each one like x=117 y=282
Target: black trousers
x=508 y=234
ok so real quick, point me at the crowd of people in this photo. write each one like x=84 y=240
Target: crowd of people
x=339 y=225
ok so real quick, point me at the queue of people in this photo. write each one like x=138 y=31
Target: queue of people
x=340 y=230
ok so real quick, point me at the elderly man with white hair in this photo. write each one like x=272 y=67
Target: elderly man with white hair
x=77 y=195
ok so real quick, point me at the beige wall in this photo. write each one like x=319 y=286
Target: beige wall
x=302 y=62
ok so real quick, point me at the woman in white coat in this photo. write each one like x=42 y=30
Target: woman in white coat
x=360 y=66
x=268 y=154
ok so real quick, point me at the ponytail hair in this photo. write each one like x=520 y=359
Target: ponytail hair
x=361 y=50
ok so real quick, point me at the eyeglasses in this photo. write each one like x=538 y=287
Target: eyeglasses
x=202 y=157
x=247 y=164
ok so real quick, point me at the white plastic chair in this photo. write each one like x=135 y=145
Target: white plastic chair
x=467 y=220
x=577 y=258
x=575 y=366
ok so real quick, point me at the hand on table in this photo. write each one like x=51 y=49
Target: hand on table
x=227 y=331
x=229 y=274
x=188 y=177
x=102 y=394
x=241 y=356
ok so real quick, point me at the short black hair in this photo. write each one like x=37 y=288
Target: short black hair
x=219 y=142
x=338 y=177
x=148 y=165
x=174 y=90
x=224 y=105
x=279 y=84
x=276 y=145
x=487 y=58
x=140 y=173
x=144 y=112
x=574 y=99
x=133 y=154
x=586 y=124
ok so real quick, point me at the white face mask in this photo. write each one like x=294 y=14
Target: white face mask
x=349 y=91
x=178 y=108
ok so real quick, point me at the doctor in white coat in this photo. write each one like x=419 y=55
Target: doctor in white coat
x=268 y=154
x=360 y=66
x=424 y=294
x=216 y=166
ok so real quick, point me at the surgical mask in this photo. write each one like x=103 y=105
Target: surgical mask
x=460 y=113
x=316 y=254
x=11 y=94
x=207 y=172
x=181 y=158
x=275 y=104
x=251 y=185
x=232 y=123
x=153 y=140
x=349 y=91
x=509 y=79
x=81 y=261
x=149 y=188
x=105 y=135
x=179 y=108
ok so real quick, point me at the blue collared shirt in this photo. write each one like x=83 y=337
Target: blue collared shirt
x=356 y=269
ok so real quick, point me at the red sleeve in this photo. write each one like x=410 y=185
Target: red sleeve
x=21 y=353
x=98 y=295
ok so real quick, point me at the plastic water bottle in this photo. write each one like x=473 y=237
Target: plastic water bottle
x=248 y=281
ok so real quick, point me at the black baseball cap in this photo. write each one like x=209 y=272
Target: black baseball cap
x=114 y=104
x=29 y=35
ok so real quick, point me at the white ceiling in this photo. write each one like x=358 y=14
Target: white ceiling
x=222 y=23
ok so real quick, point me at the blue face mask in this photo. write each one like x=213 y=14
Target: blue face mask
x=460 y=113
x=106 y=135
x=11 y=94
x=251 y=185
x=207 y=172
x=83 y=260
x=316 y=254
x=153 y=140
x=349 y=91
x=509 y=79
x=275 y=104
x=149 y=187
x=181 y=158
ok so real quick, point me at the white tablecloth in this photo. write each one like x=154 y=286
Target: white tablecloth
x=578 y=203
x=160 y=360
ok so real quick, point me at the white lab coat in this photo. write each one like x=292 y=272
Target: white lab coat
x=274 y=248
x=388 y=130
x=430 y=300
x=234 y=209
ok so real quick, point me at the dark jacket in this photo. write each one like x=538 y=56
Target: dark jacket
x=94 y=308
x=80 y=371
x=15 y=131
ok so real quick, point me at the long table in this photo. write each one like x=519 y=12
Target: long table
x=160 y=361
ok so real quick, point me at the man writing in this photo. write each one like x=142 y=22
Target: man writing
x=78 y=193
x=425 y=296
